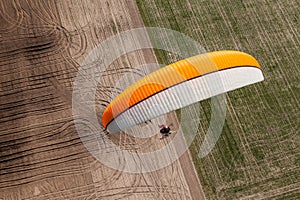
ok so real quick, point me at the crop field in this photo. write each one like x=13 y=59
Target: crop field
x=258 y=154
x=44 y=43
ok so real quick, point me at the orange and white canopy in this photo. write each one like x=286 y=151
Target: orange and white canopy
x=180 y=84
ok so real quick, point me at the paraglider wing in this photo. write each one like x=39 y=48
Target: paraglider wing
x=180 y=84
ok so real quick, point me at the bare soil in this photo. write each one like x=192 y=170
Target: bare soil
x=42 y=44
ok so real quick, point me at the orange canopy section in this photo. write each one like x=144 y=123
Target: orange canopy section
x=174 y=74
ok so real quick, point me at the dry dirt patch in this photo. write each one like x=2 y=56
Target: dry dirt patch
x=42 y=44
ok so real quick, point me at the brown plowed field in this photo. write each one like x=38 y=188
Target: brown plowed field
x=42 y=44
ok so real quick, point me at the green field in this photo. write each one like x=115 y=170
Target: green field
x=257 y=155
